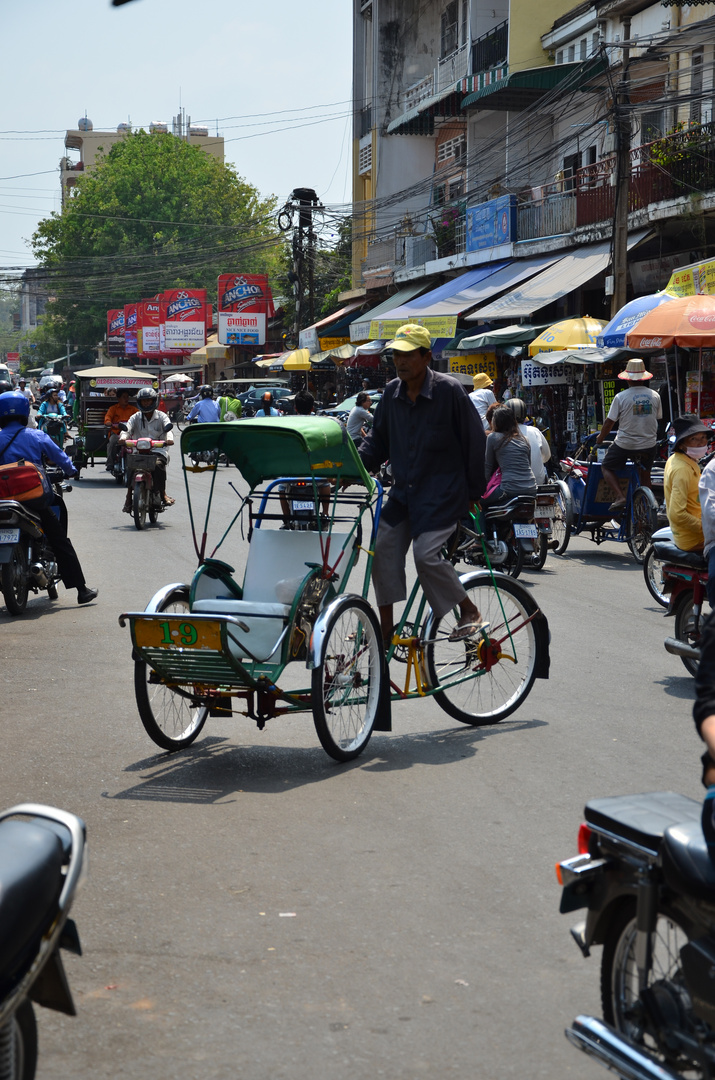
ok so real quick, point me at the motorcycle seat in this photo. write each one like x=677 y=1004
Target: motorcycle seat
x=642 y=819
x=667 y=551
x=687 y=866
x=519 y=505
x=31 y=860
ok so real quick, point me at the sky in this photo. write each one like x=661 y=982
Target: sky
x=275 y=74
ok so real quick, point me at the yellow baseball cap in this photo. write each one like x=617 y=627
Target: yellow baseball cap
x=409 y=337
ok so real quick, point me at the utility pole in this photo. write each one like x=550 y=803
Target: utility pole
x=623 y=167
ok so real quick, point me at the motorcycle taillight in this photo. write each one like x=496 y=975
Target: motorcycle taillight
x=584 y=839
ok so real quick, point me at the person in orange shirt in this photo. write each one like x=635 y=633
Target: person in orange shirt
x=117 y=414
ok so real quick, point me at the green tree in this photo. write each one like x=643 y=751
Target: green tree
x=154 y=214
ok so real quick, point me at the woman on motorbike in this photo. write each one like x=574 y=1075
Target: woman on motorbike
x=509 y=451
x=680 y=482
x=53 y=409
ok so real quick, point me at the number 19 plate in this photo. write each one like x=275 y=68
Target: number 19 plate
x=177 y=634
x=9 y=536
x=525 y=532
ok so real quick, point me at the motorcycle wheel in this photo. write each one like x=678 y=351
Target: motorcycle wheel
x=653 y=574
x=139 y=501
x=497 y=686
x=171 y=721
x=120 y=475
x=563 y=517
x=619 y=979
x=537 y=560
x=685 y=628
x=643 y=522
x=25 y=1042
x=52 y=593
x=515 y=559
x=14 y=581
x=153 y=509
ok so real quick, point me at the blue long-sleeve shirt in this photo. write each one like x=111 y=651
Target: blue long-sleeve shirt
x=436 y=447
x=206 y=411
x=30 y=444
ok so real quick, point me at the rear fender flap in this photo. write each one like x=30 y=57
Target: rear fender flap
x=51 y=988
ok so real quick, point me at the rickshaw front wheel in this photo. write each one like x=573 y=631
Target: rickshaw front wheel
x=347 y=683
x=482 y=679
x=169 y=719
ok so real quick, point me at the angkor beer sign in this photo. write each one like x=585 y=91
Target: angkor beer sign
x=130 y=329
x=245 y=303
x=148 y=337
x=115 y=332
x=183 y=320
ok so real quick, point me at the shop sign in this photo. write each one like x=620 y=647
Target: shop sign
x=148 y=337
x=535 y=374
x=130 y=329
x=609 y=392
x=183 y=316
x=115 y=332
x=439 y=326
x=327 y=343
x=683 y=283
x=245 y=303
x=308 y=339
x=647 y=275
x=491 y=223
x=473 y=363
x=13 y=361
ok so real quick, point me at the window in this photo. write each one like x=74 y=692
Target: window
x=440 y=195
x=572 y=164
x=456 y=189
x=449 y=29
x=365 y=155
x=652 y=126
x=590 y=156
x=451 y=148
x=582 y=49
x=595 y=42
x=696 y=85
x=465 y=22
x=560 y=56
x=572 y=53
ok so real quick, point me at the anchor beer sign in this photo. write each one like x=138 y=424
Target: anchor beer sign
x=245 y=303
x=183 y=320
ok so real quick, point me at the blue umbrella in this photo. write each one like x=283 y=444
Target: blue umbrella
x=613 y=336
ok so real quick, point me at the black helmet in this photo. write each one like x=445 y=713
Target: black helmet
x=147 y=399
x=6 y=387
x=207 y=391
x=518 y=407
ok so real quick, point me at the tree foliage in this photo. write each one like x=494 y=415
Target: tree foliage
x=155 y=213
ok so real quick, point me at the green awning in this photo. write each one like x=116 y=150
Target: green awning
x=520 y=89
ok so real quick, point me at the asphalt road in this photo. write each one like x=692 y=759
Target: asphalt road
x=255 y=910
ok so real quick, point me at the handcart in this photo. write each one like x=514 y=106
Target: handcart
x=220 y=646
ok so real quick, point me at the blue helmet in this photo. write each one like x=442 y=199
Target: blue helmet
x=14 y=407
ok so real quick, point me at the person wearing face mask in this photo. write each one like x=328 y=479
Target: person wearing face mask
x=707 y=508
x=680 y=481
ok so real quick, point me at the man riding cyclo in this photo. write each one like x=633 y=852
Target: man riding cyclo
x=149 y=423
x=434 y=438
x=117 y=414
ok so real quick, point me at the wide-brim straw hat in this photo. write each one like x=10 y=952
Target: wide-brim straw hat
x=635 y=372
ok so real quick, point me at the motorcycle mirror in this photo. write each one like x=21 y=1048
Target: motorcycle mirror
x=122 y=426
x=168 y=427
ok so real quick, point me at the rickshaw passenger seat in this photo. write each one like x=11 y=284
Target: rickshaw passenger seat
x=276 y=563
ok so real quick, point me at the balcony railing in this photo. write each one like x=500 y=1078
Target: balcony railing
x=450 y=69
x=417 y=93
x=491 y=49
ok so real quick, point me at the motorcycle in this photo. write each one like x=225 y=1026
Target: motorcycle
x=54 y=425
x=146 y=499
x=645 y=877
x=27 y=562
x=41 y=862
x=507 y=531
x=119 y=465
x=684 y=575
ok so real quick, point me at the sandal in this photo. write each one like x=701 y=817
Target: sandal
x=168 y=501
x=468 y=630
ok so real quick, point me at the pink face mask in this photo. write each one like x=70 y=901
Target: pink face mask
x=696 y=451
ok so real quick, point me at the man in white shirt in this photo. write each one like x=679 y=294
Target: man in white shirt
x=360 y=418
x=482 y=396
x=637 y=411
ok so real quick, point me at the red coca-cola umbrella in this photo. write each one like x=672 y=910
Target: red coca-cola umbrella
x=688 y=322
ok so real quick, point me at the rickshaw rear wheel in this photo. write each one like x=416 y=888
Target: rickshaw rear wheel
x=347 y=684
x=169 y=719
x=643 y=522
x=563 y=517
x=477 y=687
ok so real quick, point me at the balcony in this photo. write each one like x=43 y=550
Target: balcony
x=451 y=69
x=491 y=49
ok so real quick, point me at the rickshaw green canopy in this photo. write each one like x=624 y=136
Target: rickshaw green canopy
x=267 y=448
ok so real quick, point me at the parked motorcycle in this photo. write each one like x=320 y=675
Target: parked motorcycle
x=146 y=499
x=42 y=853
x=508 y=532
x=645 y=878
x=27 y=562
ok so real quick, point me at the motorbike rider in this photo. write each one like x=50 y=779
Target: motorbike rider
x=20 y=443
x=118 y=413
x=205 y=411
x=149 y=423
x=267 y=408
x=540 y=449
x=52 y=406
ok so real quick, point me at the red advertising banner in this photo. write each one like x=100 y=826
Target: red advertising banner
x=245 y=303
x=183 y=321
x=130 y=329
x=13 y=361
x=115 y=332
x=148 y=335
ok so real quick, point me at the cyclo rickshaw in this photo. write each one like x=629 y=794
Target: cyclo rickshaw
x=90 y=407
x=217 y=646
